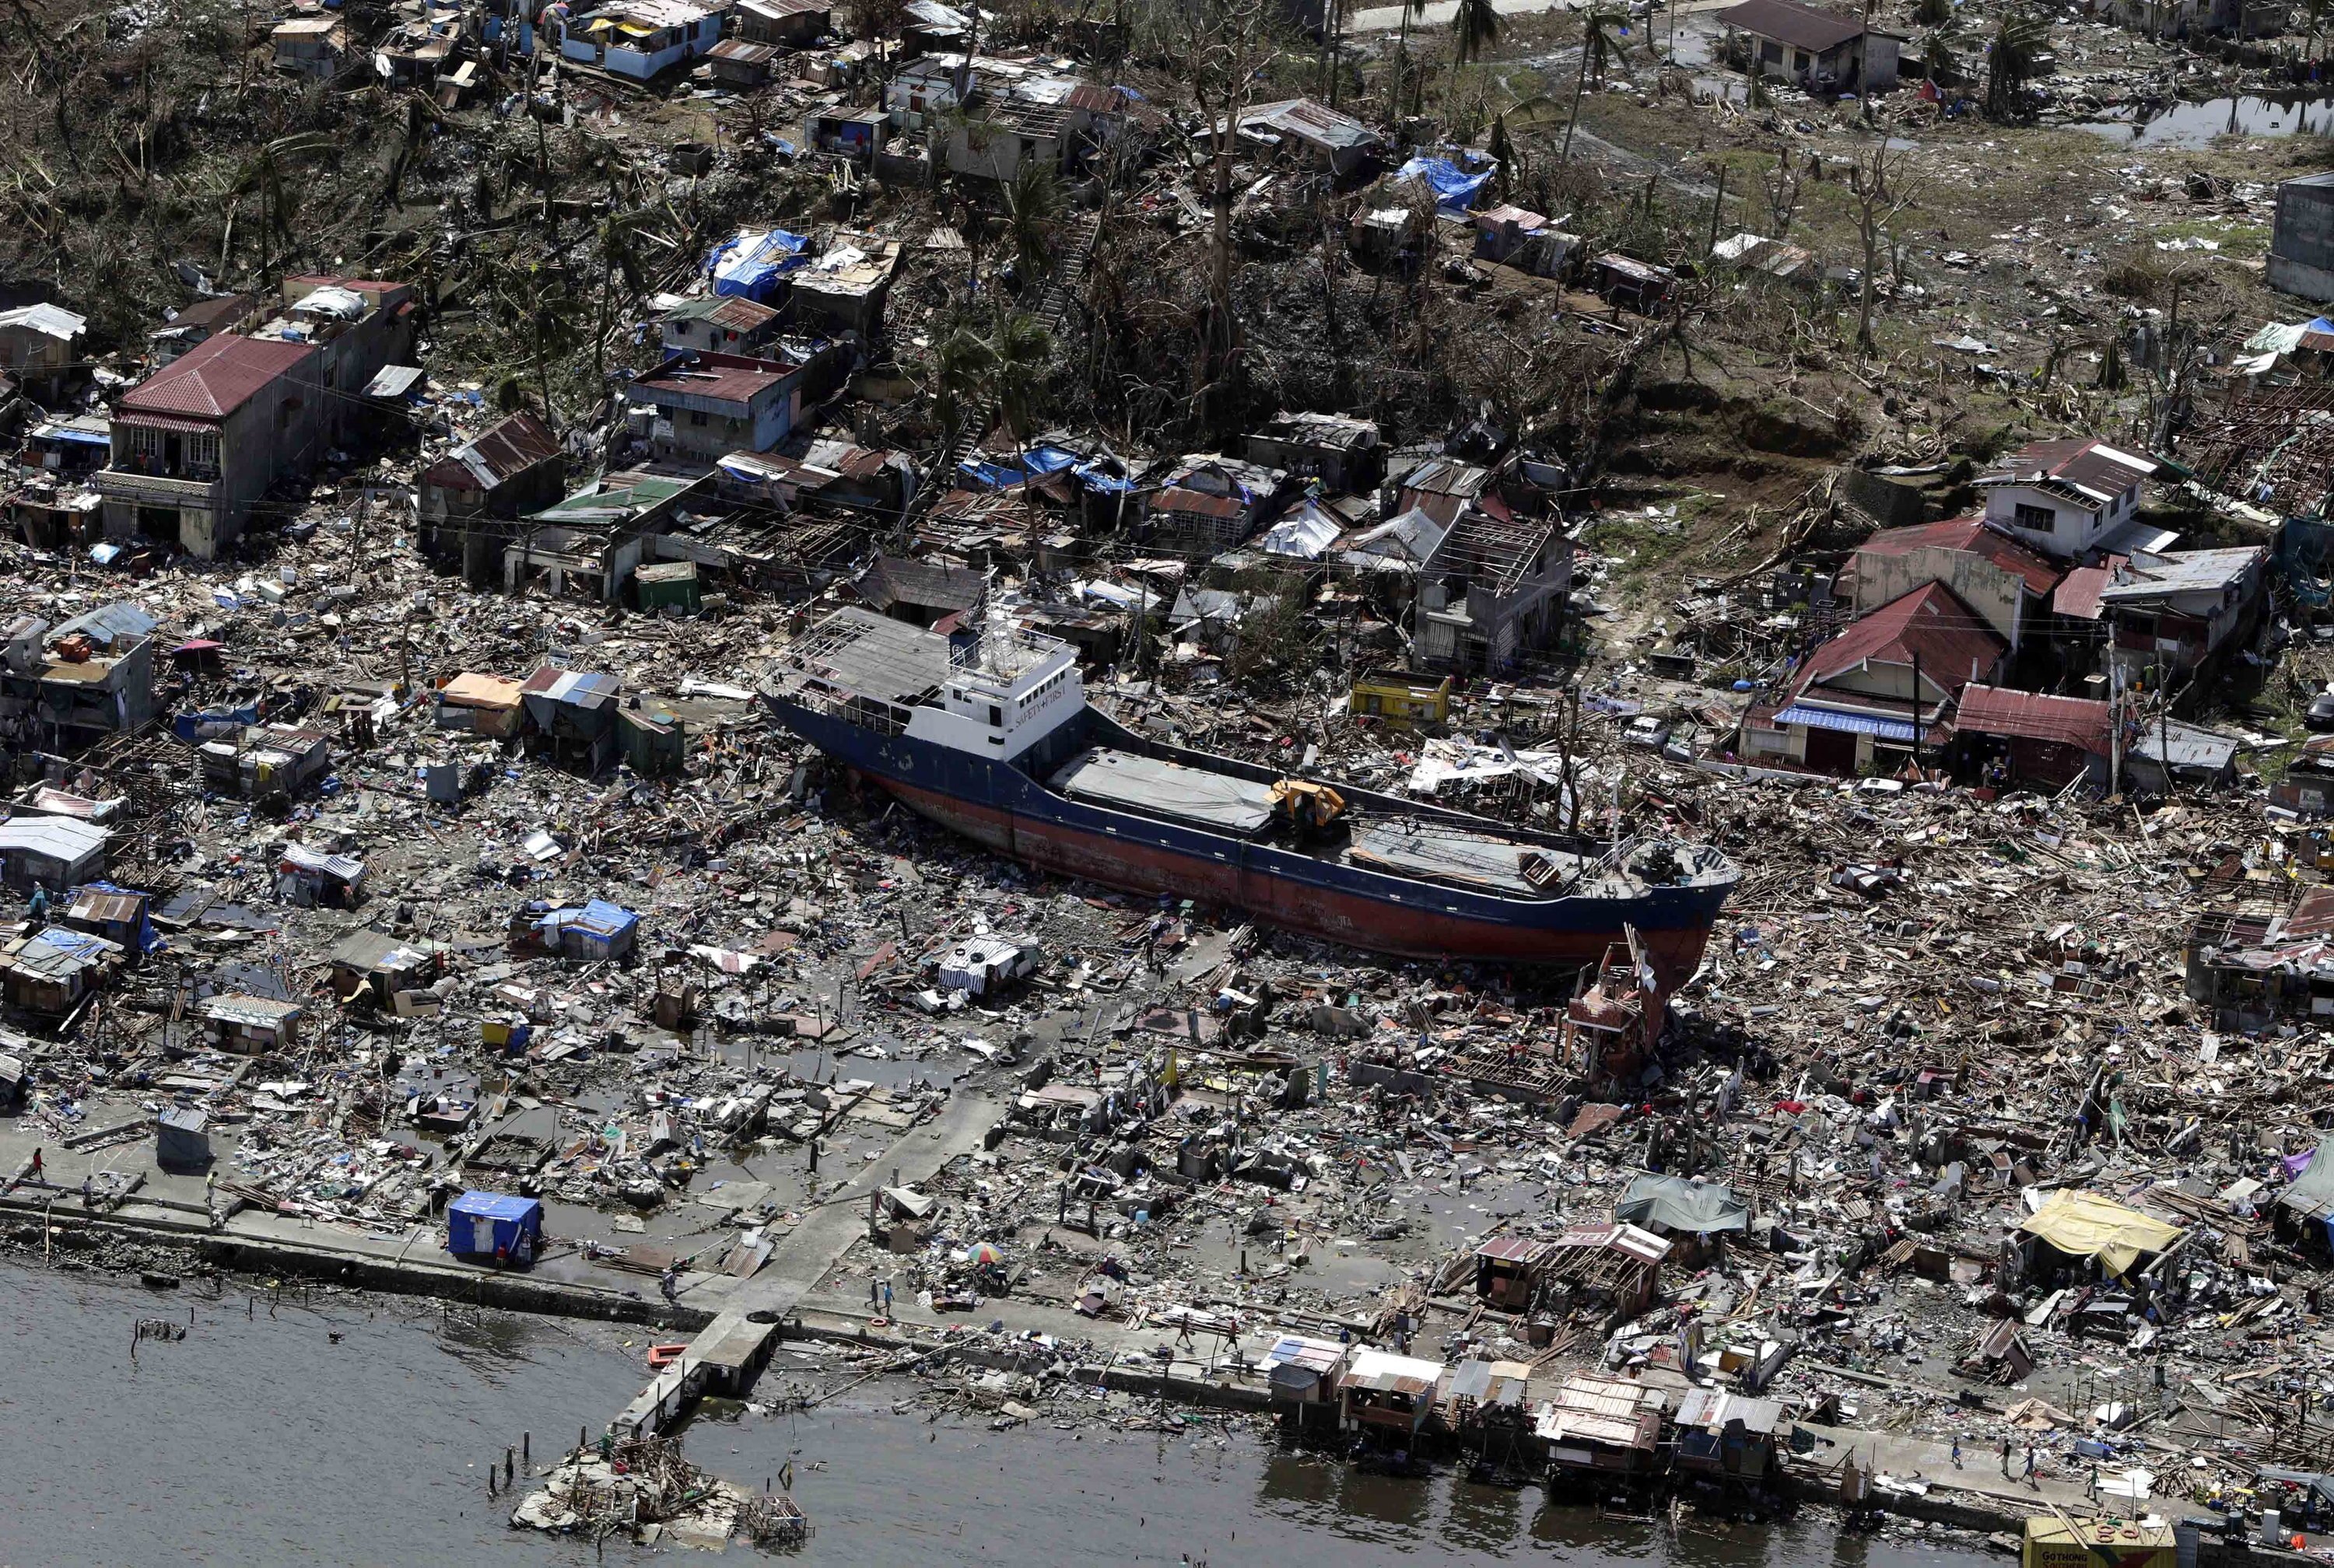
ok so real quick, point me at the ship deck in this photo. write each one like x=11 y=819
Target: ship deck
x=1404 y=846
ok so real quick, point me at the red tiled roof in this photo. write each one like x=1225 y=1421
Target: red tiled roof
x=1953 y=644
x=215 y=377
x=2069 y=720
x=1971 y=535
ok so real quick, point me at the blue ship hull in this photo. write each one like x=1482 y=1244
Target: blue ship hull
x=1006 y=808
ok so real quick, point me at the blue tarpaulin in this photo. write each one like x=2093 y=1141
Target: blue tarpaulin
x=599 y=930
x=750 y=262
x=494 y=1225
x=1000 y=474
x=1454 y=188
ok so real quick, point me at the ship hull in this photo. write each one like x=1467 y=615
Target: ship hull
x=1000 y=807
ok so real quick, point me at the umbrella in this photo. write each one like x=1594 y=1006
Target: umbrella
x=983 y=1254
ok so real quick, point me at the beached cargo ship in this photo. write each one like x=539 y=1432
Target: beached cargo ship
x=991 y=733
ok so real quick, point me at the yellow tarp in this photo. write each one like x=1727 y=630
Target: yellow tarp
x=2085 y=1225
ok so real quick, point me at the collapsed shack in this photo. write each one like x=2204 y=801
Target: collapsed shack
x=644 y=1487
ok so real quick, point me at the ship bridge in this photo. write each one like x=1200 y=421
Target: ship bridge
x=997 y=692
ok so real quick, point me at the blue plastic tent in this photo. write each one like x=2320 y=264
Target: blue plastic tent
x=750 y=262
x=494 y=1224
x=1454 y=188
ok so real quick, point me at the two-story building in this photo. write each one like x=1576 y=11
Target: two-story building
x=2172 y=611
x=67 y=688
x=2072 y=500
x=507 y=470
x=707 y=404
x=1880 y=689
x=360 y=325
x=2007 y=584
x=1494 y=589
x=197 y=444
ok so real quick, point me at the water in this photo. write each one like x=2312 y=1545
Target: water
x=2196 y=124
x=261 y=1442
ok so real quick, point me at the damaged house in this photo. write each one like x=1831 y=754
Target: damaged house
x=66 y=689
x=705 y=405
x=198 y=443
x=1881 y=689
x=1494 y=589
x=2072 y=500
x=469 y=497
x=590 y=544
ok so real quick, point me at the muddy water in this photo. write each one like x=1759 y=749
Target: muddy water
x=261 y=1441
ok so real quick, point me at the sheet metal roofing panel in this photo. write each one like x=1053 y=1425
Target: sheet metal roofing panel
x=1381 y=1371
x=59 y=838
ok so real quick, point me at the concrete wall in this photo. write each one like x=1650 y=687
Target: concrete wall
x=2301 y=244
x=1996 y=594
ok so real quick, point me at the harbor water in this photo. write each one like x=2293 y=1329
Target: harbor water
x=262 y=1440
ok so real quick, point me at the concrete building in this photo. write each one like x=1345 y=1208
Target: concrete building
x=2301 y=241
x=710 y=404
x=2174 y=612
x=846 y=287
x=360 y=325
x=2072 y=499
x=1342 y=452
x=2006 y=583
x=640 y=38
x=197 y=444
x=1494 y=589
x=67 y=688
x=1820 y=50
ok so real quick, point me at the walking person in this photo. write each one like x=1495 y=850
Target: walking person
x=2005 y=1458
x=2029 y=1469
x=1957 y=1450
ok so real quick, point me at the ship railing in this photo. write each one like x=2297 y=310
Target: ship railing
x=868 y=712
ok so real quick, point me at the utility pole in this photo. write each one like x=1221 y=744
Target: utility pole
x=2114 y=715
x=1917 y=712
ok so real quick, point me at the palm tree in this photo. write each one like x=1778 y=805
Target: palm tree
x=1020 y=351
x=1414 y=10
x=1033 y=213
x=262 y=175
x=1476 y=26
x=2016 y=58
x=1597 y=38
x=618 y=256
x=960 y=374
